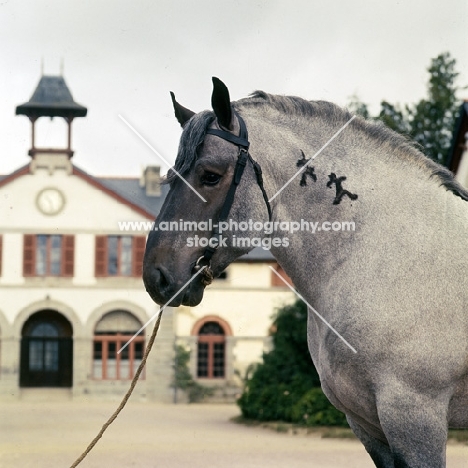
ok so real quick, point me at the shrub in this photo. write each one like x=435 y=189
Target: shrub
x=314 y=409
x=183 y=379
x=286 y=386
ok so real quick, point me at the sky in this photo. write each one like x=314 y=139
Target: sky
x=123 y=57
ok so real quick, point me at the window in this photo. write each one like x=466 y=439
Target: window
x=43 y=354
x=48 y=255
x=119 y=255
x=211 y=351
x=112 y=332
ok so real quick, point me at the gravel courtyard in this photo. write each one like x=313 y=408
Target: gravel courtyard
x=53 y=434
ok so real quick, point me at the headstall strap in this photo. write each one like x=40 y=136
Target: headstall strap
x=242 y=141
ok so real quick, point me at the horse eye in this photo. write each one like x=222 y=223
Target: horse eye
x=210 y=178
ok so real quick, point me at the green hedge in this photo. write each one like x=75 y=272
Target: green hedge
x=286 y=386
x=314 y=409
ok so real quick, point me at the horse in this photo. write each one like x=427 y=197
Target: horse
x=389 y=337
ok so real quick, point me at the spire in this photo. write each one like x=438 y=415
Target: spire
x=51 y=98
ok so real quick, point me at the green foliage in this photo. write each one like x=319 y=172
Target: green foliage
x=356 y=106
x=183 y=379
x=394 y=117
x=432 y=120
x=429 y=122
x=278 y=386
x=313 y=409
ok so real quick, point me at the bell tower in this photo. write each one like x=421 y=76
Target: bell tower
x=52 y=98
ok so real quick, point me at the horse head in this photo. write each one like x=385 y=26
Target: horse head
x=207 y=184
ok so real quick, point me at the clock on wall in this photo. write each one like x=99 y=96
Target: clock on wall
x=50 y=201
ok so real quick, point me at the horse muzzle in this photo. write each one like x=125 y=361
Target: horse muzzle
x=164 y=290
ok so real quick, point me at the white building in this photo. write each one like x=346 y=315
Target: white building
x=71 y=288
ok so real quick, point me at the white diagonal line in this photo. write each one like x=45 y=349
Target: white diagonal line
x=312 y=309
x=160 y=311
x=312 y=158
x=157 y=153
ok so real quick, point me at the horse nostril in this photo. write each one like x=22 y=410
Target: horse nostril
x=162 y=281
x=159 y=283
x=155 y=280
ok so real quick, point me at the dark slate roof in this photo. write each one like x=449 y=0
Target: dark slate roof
x=131 y=190
x=257 y=255
x=52 y=98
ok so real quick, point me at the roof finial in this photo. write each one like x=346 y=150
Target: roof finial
x=61 y=66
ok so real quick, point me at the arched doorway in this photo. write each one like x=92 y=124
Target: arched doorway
x=46 y=351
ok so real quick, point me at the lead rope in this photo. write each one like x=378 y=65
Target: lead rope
x=127 y=395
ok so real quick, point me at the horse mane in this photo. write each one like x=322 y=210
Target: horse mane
x=407 y=150
x=194 y=133
x=192 y=138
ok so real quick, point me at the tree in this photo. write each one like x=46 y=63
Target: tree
x=429 y=122
x=356 y=106
x=286 y=386
x=394 y=117
x=432 y=120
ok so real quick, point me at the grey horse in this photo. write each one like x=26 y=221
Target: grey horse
x=394 y=288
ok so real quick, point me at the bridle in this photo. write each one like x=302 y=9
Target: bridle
x=242 y=142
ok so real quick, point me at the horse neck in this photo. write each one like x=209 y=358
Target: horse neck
x=384 y=183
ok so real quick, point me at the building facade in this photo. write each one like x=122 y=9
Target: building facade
x=71 y=288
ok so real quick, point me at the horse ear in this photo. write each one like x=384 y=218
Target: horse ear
x=182 y=113
x=221 y=103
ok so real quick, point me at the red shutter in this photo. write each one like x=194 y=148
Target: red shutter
x=29 y=255
x=139 y=245
x=100 y=266
x=276 y=281
x=68 y=255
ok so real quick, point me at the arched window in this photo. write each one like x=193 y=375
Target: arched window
x=112 y=332
x=211 y=350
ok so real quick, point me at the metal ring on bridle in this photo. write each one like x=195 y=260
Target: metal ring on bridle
x=197 y=265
